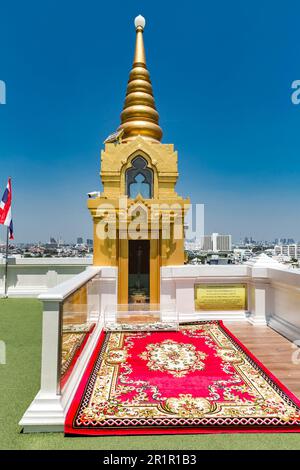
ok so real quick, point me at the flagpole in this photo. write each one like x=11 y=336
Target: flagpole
x=6 y=265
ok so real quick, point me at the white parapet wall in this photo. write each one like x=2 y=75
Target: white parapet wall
x=29 y=277
x=273 y=292
x=284 y=313
x=178 y=285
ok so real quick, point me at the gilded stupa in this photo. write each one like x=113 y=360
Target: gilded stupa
x=139 y=115
x=139 y=174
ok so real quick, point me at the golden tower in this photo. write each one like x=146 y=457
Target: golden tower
x=138 y=218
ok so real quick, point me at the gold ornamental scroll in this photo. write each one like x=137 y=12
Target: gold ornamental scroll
x=220 y=297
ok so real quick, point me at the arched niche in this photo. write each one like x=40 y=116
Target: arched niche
x=139 y=179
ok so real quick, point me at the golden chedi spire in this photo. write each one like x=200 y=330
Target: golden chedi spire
x=139 y=115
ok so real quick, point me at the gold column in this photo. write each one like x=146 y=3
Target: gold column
x=123 y=272
x=154 y=272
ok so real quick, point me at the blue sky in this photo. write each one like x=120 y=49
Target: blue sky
x=221 y=73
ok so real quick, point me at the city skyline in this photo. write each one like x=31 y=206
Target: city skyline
x=223 y=92
x=281 y=240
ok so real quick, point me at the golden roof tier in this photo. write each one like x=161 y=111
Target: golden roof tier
x=139 y=115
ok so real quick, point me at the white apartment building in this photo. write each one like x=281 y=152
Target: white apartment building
x=293 y=251
x=216 y=242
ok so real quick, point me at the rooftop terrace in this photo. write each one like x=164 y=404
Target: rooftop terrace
x=20 y=329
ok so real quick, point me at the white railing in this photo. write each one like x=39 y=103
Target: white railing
x=48 y=409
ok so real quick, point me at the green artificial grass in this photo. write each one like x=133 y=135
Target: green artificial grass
x=20 y=328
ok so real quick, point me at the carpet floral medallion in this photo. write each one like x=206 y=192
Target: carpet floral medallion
x=197 y=379
x=176 y=358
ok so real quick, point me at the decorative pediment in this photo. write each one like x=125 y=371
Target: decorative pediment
x=162 y=156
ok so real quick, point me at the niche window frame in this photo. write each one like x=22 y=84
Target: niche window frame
x=139 y=166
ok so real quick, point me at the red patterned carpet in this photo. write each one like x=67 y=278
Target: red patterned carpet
x=200 y=379
x=74 y=338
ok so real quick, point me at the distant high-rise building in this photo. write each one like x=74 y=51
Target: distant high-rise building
x=284 y=241
x=206 y=243
x=216 y=242
x=89 y=242
x=248 y=241
x=53 y=241
x=221 y=242
x=79 y=240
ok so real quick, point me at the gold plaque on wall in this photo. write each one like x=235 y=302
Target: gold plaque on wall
x=220 y=297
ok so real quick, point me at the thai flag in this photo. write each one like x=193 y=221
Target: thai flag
x=5 y=210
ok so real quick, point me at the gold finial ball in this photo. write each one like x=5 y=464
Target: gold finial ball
x=139 y=21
